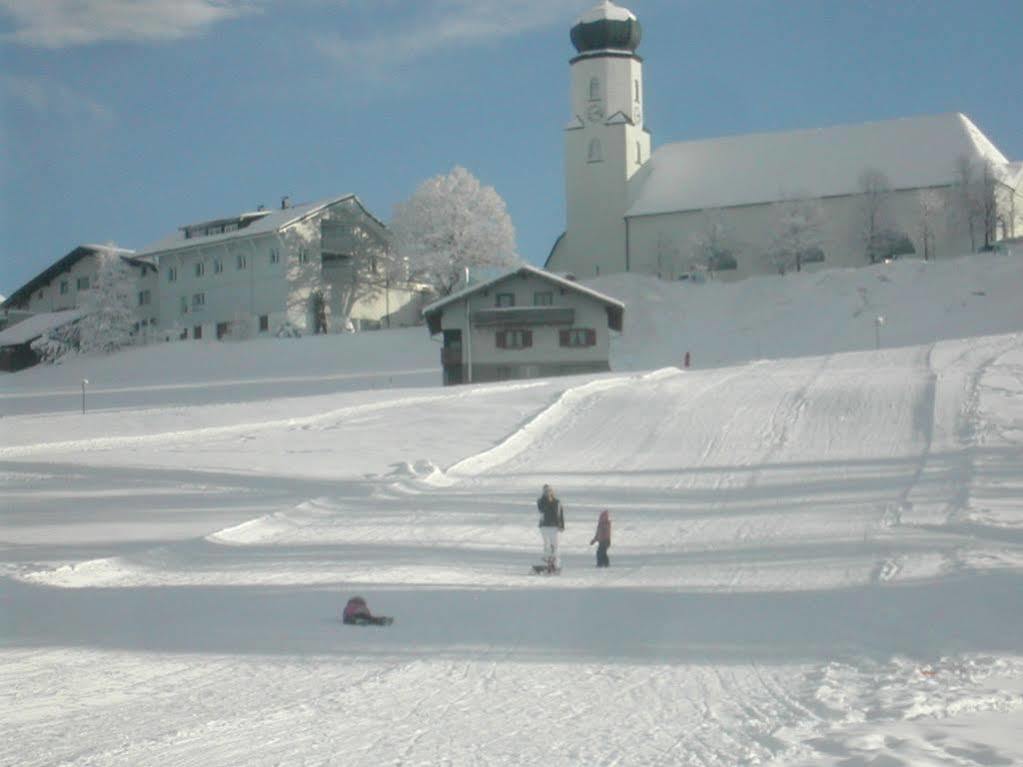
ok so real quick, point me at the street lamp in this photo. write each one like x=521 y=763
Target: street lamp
x=878 y=322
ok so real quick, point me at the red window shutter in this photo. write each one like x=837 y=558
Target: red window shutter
x=591 y=337
x=563 y=337
x=527 y=338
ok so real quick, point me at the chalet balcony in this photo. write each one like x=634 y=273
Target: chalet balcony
x=450 y=356
x=524 y=315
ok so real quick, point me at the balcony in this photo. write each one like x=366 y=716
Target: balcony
x=524 y=315
x=450 y=356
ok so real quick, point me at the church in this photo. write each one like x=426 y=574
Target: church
x=924 y=187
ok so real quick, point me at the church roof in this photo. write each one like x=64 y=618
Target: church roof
x=912 y=152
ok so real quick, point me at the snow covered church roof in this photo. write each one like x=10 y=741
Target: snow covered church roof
x=913 y=152
x=246 y=225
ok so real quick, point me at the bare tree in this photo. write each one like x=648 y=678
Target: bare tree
x=452 y=222
x=798 y=235
x=876 y=218
x=931 y=207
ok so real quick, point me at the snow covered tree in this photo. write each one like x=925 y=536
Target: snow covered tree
x=108 y=320
x=56 y=343
x=798 y=235
x=452 y=222
x=712 y=249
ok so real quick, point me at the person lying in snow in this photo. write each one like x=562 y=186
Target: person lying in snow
x=356 y=613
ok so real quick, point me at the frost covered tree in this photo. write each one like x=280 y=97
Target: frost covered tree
x=364 y=267
x=452 y=222
x=798 y=235
x=712 y=248
x=108 y=313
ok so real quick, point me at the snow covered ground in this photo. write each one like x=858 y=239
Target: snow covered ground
x=817 y=559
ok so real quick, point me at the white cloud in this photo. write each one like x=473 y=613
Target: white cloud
x=440 y=25
x=48 y=97
x=63 y=23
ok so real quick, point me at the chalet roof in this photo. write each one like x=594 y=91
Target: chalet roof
x=615 y=307
x=60 y=266
x=274 y=221
x=913 y=152
x=32 y=327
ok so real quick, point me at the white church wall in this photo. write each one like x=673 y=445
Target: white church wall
x=669 y=245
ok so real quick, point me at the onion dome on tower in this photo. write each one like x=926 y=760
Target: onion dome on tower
x=606 y=27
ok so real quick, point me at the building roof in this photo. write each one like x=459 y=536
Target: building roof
x=274 y=221
x=58 y=267
x=32 y=327
x=913 y=152
x=614 y=306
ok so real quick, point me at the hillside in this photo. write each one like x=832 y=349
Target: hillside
x=817 y=559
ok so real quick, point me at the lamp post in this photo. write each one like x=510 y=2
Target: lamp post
x=878 y=322
x=85 y=381
x=468 y=332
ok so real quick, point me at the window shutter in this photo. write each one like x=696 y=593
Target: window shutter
x=527 y=338
x=591 y=337
x=563 y=338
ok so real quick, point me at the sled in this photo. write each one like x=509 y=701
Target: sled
x=546 y=570
x=376 y=620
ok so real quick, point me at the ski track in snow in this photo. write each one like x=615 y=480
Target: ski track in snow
x=803 y=552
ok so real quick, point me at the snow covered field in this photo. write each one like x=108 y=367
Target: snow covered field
x=817 y=558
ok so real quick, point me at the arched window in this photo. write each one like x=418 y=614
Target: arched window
x=594 y=154
x=594 y=89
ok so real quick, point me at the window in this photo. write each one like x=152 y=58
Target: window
x=172 y=274
x=594 y=153
x=514 y=339
x=144 y=297
x=635 y=90
x=184 y=334
x=222 y=329
x=184 y=304
x=505 y=299
x=197 y=332
x=198 y=300
x=218 y=266
x=303 y=256
x=275 y=256
x=241 y=261
x=200 y=268
x=264 y=323
x=543 y=298
x=64 y=287
x=578 y=337
x=39 y=294
x=594 y=89
x=83 y=284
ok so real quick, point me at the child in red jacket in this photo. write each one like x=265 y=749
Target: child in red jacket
x=603 y=539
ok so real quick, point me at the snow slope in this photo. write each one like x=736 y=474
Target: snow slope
x=817 y=560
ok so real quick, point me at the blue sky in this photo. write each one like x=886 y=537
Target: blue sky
x=121 y=120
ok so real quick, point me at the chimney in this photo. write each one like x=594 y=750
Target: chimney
x=285 y=202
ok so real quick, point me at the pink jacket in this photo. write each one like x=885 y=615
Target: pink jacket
x=603 y=533
x=356 y=608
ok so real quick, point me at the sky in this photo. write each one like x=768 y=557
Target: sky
x=121 y=120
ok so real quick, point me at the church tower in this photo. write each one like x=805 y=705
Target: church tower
x=605 y=142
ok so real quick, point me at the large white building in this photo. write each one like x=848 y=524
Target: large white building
x=742 y=205
x=296 y=269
